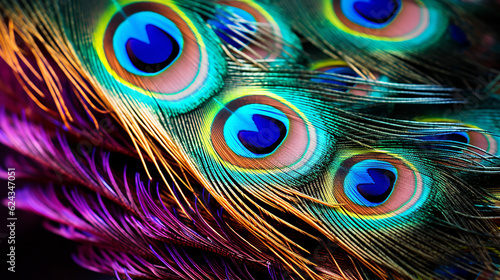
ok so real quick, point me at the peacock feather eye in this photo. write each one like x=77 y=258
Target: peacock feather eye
x=371 y=13
x=458 y=136
x=343 y=78
x=340 y=70
x=259 y=131
x=234 y=26
x=459 y=36
x=263 y=133
x=377 y=184
x=387 y=24
x=147 y=43
x=478 y=142
x=457 y=271
x=159 y=53
x=256 y=30
x=461 y=137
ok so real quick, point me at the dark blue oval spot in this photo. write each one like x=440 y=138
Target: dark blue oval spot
x=269 y=135
x=230 y=19
x=377 y=11
x=346 y=71
x=459 y=36
x=155 y=55
x=460 y=137
x=381 y=188
x=466 y=267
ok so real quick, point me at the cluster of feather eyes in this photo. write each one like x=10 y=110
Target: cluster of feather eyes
x=258 y=139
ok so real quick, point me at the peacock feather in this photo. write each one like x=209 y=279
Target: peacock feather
x=243 y=139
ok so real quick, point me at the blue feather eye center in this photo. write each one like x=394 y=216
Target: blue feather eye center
x=459 y=36
x=370 y=182
x=371 y=13
x=256 y=130
x=461 y=137
x=234 y=26
x=345 y=71
x=456 y=269
x=379 y=190
x=269 y=135
x=155 y=55
x=147 y=43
